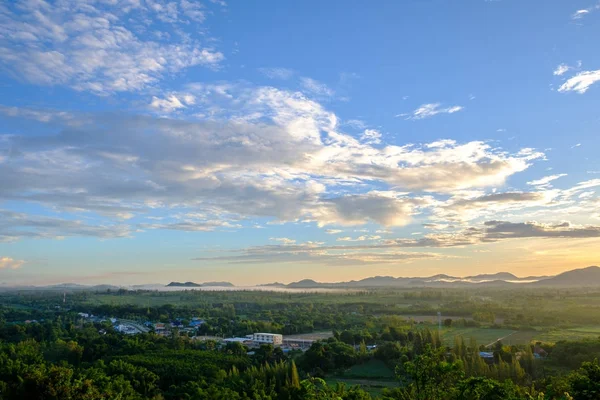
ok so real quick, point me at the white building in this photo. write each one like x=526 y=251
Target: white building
x=268 y=338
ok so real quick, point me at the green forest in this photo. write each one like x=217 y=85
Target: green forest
x=380 y=344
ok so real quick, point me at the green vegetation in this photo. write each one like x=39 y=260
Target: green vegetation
x=364 y=349
x=482 y=335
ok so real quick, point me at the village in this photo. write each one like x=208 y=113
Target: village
x=190 y=327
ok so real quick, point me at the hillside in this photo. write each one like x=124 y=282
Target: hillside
x=589 y=276
x=206 y=284
x=184 y=284
x=220 y=284
x=580 y=277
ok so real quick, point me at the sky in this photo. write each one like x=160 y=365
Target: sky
x=149 y=141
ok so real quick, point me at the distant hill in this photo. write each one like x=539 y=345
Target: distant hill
x=104 y=287
x=66 y=286
x=504 y=276
x=306 y=283
x=194 y=284
x=184 y=284
x=580 y=277
x=220 y=284
x=274 y=284
x=589 y=276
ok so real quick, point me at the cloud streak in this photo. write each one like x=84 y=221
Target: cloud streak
x=9 y=263
x=390 y=250
x=15 y=226
x=581 y=82
x=430 y=110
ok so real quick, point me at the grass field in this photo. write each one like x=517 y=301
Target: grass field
x=311 y=336
x=555 y=335
x=373 y=369
x=521 y=337
x=483 y=336
x=372 y=376
x=486 y=335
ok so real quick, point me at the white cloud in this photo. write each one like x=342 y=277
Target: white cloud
x=96 y=47
x=430 y=110
x=263 y=152
x=310 y=252
x=37 y=115
x=194 y=10
x=9 y=263
x=581 y=82
x=545 y=180
x=371 y=136
x=576 y=145
x=387 y=250
x=277 y=73
x=172 y=102
x=361 y=238
x=579 y=14
x=15 y=226
x=284 y=240
x=561 y=69
x=316 y=87
x=169 y=104
x=474 y=206
x=356 y=124
x=386 y=209
x=333 y=231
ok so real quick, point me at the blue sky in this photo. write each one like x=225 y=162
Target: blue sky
x=147 y=141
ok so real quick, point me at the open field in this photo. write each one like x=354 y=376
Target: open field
x=509 y=337
x=521 y=337
x=483 y=336
x=311 y=336
x=373 y=387
x=373 y=376
x=373 y=369
x=555 y=335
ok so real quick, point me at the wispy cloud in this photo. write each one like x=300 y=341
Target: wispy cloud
x=372 y=136
x=95 y=48
x=310 y=252
x=316 y=87
x=388 y=250
x=284 y=240
x=430 y=110
x=172 y=102
x=277 y=73
x=561 y=69
x=545 y=180
x=361 y=238
x=15 y=226
x=9 y=263
x=356 y=124
x=579 y=14
x=581 y=82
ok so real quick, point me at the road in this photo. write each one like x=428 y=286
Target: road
x=500 y=339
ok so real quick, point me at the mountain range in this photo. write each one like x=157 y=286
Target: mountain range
x=589 y=276
x=584 y=277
